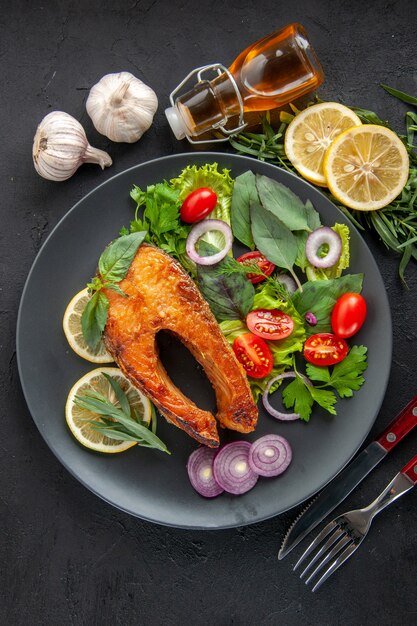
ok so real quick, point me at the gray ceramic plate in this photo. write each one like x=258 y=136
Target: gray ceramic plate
x=146 y=483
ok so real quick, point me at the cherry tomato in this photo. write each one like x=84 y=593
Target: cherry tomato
x=253 y=353
x=270 y=324
x=261 y=261
x=197 y=205
x=348 y=314
x=325 y=349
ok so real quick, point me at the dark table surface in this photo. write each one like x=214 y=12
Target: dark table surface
x=68 y=557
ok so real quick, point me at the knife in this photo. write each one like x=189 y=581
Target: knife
x=345 y=482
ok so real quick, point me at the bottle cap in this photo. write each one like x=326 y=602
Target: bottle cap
x=175 y=122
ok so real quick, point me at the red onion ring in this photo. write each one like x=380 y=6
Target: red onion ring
x=201 y=229
x=270 y=409
x=270 y=455
x=287 y=282
x=200 y=472
x=231 y=468
x=316 y=239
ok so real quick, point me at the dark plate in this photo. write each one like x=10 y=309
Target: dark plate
x=146 y=483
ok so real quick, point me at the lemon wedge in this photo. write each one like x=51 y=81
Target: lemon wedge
x=310 y=134
x=72 y=328
x=366 y=167
x=77 y=418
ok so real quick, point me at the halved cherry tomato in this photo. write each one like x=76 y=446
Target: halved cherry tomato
x=270 y=324
x=261 y=261
x=197 y=205
x=325 y=349
x=348 y=314
x=253 y=353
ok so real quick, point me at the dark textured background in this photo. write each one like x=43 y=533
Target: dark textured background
x=67 y=557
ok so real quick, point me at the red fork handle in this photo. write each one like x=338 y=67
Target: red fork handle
x=401 y=425
x=410 y=470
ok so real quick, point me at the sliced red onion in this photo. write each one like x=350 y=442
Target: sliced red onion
x=318 y=238
x=310 y=318
x=270 y=455
x=265 y=399
x=200 y=472
x=231 y=468
x=288 y=282
x=201 y=229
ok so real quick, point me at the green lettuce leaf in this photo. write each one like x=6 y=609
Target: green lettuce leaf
x=194 y=177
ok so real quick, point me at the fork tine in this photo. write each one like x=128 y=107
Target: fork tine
x=316 y=542
x=336 y=564
x=343 y=541
x=334 y=537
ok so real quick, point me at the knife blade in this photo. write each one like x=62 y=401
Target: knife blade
x=345 y=482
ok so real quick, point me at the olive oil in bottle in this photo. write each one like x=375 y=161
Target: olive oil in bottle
x=268 y=74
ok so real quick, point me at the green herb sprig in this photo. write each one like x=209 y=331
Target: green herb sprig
x=343 y=378
x=395 y=224
x=123 y=422
x=112 y=266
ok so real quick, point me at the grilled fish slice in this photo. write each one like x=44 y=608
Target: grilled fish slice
x=163 y=297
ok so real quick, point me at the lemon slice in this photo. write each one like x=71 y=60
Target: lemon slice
x=74 y=334
x=310 y=134
x=366 y=167
x=77 y=417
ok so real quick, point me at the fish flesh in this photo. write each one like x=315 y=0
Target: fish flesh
x=161 y=296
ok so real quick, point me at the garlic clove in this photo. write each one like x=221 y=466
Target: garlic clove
x=121 y=107
x=60 y=146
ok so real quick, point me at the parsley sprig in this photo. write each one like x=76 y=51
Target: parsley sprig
x=123 y=422
x=343 y=378
x=161 y=221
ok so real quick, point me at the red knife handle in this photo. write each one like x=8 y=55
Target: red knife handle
x=410 y=470
x=405 y=421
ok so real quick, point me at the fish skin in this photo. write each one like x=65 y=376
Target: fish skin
x=161 y=296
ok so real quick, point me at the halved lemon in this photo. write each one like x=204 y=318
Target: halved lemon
x=310 y=134
x=74 y=334
x=366 y=167
x=77 y=418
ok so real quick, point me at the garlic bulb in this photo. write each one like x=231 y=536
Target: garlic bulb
x=60 y=146
x=121 y=107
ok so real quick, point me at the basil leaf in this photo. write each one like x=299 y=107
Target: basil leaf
x=230 y=296
x=116 y=288
x=319 y=297
x=244 y=194
x=117 y=257
x=313 y=216
x=120 y=394
x=93 y=319
x=283 y=203
x=273 y=238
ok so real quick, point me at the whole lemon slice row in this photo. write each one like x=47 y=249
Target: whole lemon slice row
x=310 y=134
x=366 y=167
x=78 y=418
x=72 y=328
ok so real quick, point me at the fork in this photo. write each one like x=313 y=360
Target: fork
x=345 y=533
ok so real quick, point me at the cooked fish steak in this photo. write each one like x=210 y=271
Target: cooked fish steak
x=161 y=296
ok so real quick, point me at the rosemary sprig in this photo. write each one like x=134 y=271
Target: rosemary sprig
x=395 y=224
x=234 y=267
x=122 y=423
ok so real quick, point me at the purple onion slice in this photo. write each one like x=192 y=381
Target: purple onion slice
x=318 y=238
x=231 y=468
x=201 y=229
x=270 y=455
x=268 y=406
x=200 y=472
x=287 y=282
